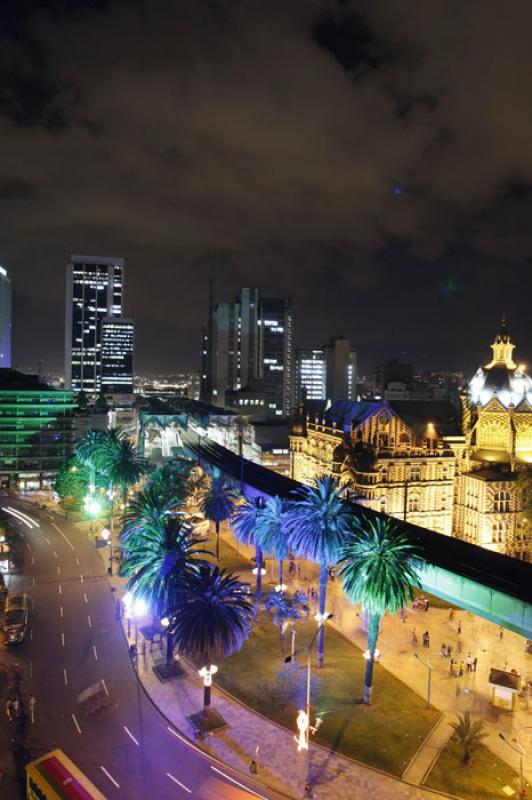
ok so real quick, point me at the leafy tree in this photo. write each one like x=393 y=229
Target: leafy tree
x=171 y=480
x=217 y=504
x=148 y=507
x=471 y=734
x=283 y=609
x=318 y=522
x=215 y=619
x=270 y=532
x=120 y=461
x=161 y=557
x=72 y=482
x=380 y=568
x=244 y=523
x=88 y=452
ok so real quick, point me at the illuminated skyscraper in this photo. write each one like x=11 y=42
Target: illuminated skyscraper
x=94 y=290
x=118 y=345
x=5 y=318
x=311 y=374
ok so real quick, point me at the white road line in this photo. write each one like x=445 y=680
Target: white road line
x=185 y=741
x=130 y=735
x=47 y=540
x=33 y=581
x=76 y=723
x=32 y=561
x=85 y=597
x=110 y=777
x=90 y=621
x=59 y=570
x=28 y=546
x=61 y=611
x=182 y=785
x=81 y=578
x=33 y=522
x=65 y=676
x=77 y=561
x=60 y=589
x=95 y=652
x=63 y=639
x=55 y=554
x=237 y=783
x=67 y=540
x=107 y=691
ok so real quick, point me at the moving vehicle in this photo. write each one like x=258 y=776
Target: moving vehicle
x=54 y=777
x=16 y=618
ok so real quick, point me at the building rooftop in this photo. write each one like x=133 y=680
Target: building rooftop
x=509 y=680
x=493 y=474
x=11 y=380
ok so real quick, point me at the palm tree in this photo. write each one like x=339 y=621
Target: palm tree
x=148 y=507
x=380 y=569
x=283 y=610
x=214 y=621
x=88 y=451
x=162 y=557
x=271 y=534
x=318 y=522
x=217 y=503
x=470 y=734
x=120 y=461
x=243 y=524
x=171 y=479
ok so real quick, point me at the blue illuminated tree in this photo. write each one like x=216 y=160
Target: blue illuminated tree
x=243 y=524
x=270 y=532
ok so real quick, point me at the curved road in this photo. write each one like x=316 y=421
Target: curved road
x=74 y=641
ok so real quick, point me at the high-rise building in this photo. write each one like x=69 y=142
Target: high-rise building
x=311 y=374
x=5 y=318
x=341 y=363
x=247 y=354
x=94 y=291
x=118 y=346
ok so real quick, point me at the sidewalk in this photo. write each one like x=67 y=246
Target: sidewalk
x=248 y=734
x=427 y=755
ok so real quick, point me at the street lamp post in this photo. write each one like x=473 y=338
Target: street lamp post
x=107 y=537
x=428 y=665
x=518 y=747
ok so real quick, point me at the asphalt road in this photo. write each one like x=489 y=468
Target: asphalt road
x=74 y=641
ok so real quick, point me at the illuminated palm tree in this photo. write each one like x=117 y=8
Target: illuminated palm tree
x=380 y=567
x=147 y=507
x=214 y=621
x=271 y=533
x=217 y=503
x=88 y=451
x=318 y=522
x=243 y=524
x=283 y=609
x=171 y=480
x=120 y=462
x=162 y=556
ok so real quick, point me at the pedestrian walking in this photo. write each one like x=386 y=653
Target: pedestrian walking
x=459 y=627
x=414 y=637
x=475 y=662
x=449 y=651
x=469 y=662
x=456 y=669
x=461 y=669
x=451 y=668
x=501 y=631
x=443 y=650
x=428 y=640
x=451 y=614
x=426 y=605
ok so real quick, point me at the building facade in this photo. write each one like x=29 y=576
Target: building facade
x=5 y=319
x=497 y=428
x=395 y=458
x=94 y=291
x=311 y=374
x=118 y=347
x=36 y=431
x=341 y=365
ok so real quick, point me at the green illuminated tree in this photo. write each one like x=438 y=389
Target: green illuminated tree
x=318 y=522
x=72 y=483
x=380 y=567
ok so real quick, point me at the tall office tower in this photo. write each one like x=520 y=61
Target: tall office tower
x=94 y=290
x=341 y=363
x=5 y=318
x=276 y=356
x=311 y=374
x=118 y=346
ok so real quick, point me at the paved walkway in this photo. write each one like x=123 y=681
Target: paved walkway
x=427 y=755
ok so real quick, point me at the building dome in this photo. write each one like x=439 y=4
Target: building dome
x=501 y=378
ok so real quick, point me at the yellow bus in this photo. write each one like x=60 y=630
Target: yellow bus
x=54 y=777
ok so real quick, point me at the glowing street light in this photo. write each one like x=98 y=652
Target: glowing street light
x=255 y=571
x=206 y=673
x=281 y=587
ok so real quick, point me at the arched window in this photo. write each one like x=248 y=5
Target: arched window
x=413 y=502
x=501 y=501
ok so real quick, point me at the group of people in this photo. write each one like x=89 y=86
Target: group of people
x=457 y=668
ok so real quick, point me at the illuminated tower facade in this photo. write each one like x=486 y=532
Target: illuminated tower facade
x=5 y=318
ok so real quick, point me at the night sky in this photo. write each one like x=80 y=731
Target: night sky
x=373 y=160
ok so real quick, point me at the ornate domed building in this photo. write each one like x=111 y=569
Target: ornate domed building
x=497 y=427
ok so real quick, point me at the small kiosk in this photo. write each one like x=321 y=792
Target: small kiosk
x=504 y=688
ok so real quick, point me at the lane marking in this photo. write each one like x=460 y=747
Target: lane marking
x=182 y=785
x=107 y=692
x=90 y=621
x=61 y=611
x=55 y=554
x=110 y=777
x=77 y=561
x=33 y=522
x=131 y=735
x=67 y=540
x=76 y=723
x=85 y=597
x=28 y=547
x=18 y=517
x=185 y=741
x=59 y=570
x=81 y=576
x=237 y=783
x=32 y=561
x=60 y=589
x=47 y=540
x=33 y=581
x=63 y=639
x=65 y=676
x=95 y=653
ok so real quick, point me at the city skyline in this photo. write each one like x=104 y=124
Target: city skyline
x=364 y=174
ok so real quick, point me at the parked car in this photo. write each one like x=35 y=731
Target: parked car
x=16 y=618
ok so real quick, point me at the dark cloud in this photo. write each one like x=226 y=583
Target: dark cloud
x=356 y=156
